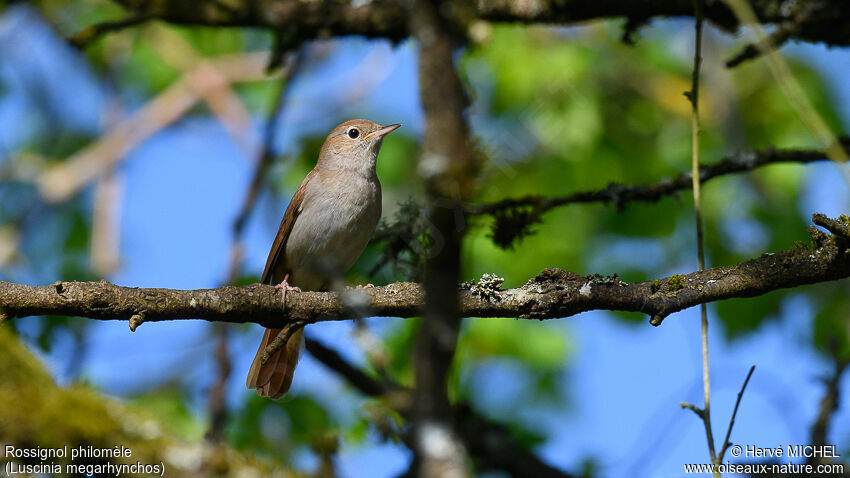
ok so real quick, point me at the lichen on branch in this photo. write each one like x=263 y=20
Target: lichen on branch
x=552 y=294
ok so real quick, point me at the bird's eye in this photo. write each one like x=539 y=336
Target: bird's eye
x=353 y=133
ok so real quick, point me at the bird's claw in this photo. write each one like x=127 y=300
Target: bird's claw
x=285 y=287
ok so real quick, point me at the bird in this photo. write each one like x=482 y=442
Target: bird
x=325 y=228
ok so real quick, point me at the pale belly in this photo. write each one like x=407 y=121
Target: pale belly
x=329 y=235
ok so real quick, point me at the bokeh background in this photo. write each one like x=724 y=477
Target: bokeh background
x=556 y=110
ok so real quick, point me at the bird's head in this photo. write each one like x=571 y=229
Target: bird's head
x=354 y=145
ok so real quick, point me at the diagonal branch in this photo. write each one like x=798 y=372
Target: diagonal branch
x=267 y=154
x=61 y=181
x=620 y=194
x=799 y=14
x=514 y=217
x=552 y=294
x=753 y=50
x=726 y=442
x=491 y=443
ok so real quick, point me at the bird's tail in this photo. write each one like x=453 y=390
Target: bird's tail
x=273 y=378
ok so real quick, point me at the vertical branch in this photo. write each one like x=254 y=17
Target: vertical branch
x=693 y=96
x=448 y=166
x=267 y=154
x=828 y=404
x=106 y=226
x=217 y=405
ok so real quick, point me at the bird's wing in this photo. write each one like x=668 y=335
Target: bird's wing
x=276 y=254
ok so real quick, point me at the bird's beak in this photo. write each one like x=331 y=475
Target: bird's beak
x=380 y=133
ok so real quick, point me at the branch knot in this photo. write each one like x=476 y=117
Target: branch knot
x=136 y=320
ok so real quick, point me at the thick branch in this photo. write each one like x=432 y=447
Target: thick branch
x=552 y=294
x=449 y=167
x=826 y=21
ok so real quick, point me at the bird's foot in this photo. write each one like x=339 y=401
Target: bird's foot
x=285 y=287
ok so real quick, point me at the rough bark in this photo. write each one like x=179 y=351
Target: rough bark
x=552 y=294
x=448 y=166
x=826 y=21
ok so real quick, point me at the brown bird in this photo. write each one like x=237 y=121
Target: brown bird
x=327 y=224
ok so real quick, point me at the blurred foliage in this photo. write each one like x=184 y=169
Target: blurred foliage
x=540 y=349
x=557 y=111
x=579 y=114
x=81 y=416
x=832 y=329
x=283 y=425
x=169 y=405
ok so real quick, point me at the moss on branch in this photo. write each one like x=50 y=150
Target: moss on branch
x=552 y=294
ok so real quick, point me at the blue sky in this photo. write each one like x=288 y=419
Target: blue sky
x=625 y=381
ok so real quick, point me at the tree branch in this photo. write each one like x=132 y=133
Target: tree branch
x=829 y=403
x=491 y=443
x=799 y=14
x=620 y=194
x=726 y=442
x=753 y=51
x=693 y=96
x=552 y=294
x=267 y=154
x=448 y=165
x=513 y=217
x=827 y=21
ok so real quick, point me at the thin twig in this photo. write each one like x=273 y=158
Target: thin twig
x=840 y=227
x=620 y=194
x=726 y=442
x=267 y=154
x=105 y=223
x=210 y=84
x=281 y=339
x=365 y=383
x=690 y=406
x=693 y=96
x=217 y=406
x=492 y=444
x=753 y=50
x=60 y=182
x=793 y=91
x=217 y=403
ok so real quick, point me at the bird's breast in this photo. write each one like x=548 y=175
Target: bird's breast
x=336 y=221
